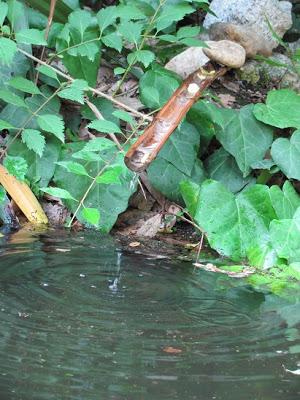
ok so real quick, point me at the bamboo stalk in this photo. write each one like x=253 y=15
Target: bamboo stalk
x=23 y=197
x=146 y=148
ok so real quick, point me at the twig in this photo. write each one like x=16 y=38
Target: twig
x=145 y=117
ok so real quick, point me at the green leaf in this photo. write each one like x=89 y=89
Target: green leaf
x=53 y=124
x=113 y=40
x=156 y=86
x=47 y=71
x=58 y=192
x=80 y=20
x=91 y=215
x=104 y=126
x=187 y=31
x=106 y=17
x=285 y=237
x=119 y=71
x=286 y=201
x=8 y=49
x=286 y=154
x=98 y=144
x=31 y=36
x=82 y=68
x=234 y=224
x=222 y=167
x=193 y=42
x=34 y=140
x=131 y=31
x=12 y=98
x=3 y=12
x=129 y=12
x=73 y=167
x=5 y=125
x=24 y=85
x=124 y=116
x=112 y=175
x=75 y=91
x=171 y=14
x=144 y=56
x=282 y=109
x=16 y=166
x=110 y=200
x=242 y=136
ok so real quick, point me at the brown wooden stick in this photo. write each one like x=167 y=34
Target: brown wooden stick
x=146 y=148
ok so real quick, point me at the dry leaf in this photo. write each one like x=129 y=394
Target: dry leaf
x=172 y=350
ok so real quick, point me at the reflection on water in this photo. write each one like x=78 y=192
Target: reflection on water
x=80 y=320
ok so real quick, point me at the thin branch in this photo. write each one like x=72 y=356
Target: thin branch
x=145 y=117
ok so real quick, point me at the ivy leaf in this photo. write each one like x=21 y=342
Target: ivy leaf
x=91 y=215
x=98 y=144
x=80 y=20
x=112 y=175
x=171 y=14
x=34 y=140
x=113 y=40
x=106 y=17
x=131 y=31
x=73 y=167
x=104 y=126
x=31 y=36
x=285 y=201
x=285 y=237
x=8 y=49
x=286 y=154
x=75 y=91
x=12 y=98
x=5 y=125
x=53 y=124
x=282 y=109
x=24 y=85
x=57 y=192
x=16 y=166
x=3 y=12
x=243 y=136
x=235 y=225
x=144 y=56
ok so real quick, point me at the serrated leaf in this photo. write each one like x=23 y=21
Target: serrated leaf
x=188 y=31
x=53 y=124
x=98 y=144
x=73 y=167
x=31 y=36
x=144 y=56
x=124 y=116
x=112 y=175
x=75 y=91
x=47 y=71
x=286 y=154
x=129 y=12
x=113 y=40
x=119 y=71
x=5 y=125
x=193 y=42
x=282 y=109
x=24 y=85
x=12 y=98
x=3 y=12
x=171 y=14
x=131 y=31
x=8 y=49
x=106 y=17
x=104 y=126
x=91 y=215
x=34 y=140
x=58 y=192
x=17 y=166
x=80 y=20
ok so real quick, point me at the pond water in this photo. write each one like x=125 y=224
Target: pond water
x=82 y=320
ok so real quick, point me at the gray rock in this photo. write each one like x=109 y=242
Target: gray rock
x=253 y=13
x=188 y=61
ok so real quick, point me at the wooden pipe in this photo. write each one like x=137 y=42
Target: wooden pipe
x=147 y=146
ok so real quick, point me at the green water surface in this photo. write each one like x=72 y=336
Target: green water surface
x=82 y=320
